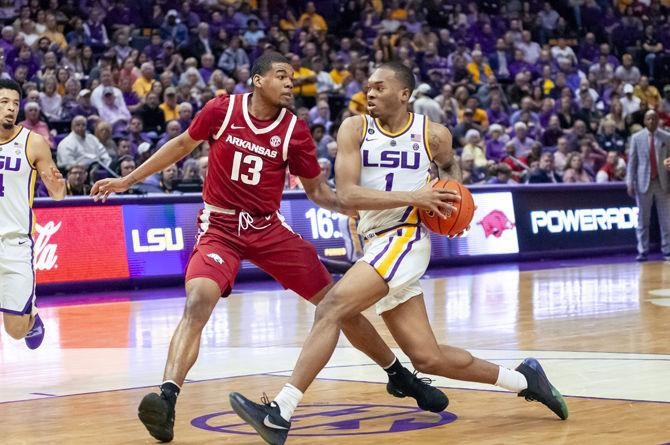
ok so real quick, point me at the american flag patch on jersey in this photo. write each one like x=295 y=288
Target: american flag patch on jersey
x=415 y=137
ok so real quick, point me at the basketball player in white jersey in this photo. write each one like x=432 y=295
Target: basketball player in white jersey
x=382 y=167
x=23 y=153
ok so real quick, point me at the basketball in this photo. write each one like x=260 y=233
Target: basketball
x=459 y=219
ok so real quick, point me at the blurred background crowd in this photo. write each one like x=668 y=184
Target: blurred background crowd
x=532 y=91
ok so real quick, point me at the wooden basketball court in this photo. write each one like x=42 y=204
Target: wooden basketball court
x=600 y=330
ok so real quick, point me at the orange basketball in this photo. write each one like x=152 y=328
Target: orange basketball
x=459 y=219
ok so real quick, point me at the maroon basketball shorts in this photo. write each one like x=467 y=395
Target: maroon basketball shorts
x=266 y=241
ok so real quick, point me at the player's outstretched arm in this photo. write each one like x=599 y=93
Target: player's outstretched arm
x=321 y=194
x=39 y=153
x=168 y=154
x=439 y=140
x=354 y=197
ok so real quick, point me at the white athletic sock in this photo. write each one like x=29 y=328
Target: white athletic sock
x=288 y=399
x=171 y=381
x=511 y=380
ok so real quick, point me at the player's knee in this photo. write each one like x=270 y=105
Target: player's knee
x=332 y=309
x=197 y=310
x=16 y=331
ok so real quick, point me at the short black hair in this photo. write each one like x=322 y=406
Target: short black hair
x=402 y=73
x=264 y=63
x=11 y=84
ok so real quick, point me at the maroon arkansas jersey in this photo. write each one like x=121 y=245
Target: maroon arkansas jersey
x=248 y=157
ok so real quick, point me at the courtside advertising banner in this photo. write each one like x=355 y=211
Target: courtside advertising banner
x=79 y=244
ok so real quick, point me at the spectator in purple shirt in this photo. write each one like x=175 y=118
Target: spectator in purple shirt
x=96 y=30
x=486 y=39
x=519 y=65
x=588 y=50
x=495 y=112
x=7 y=41
x=495 y=144
x=206 y=66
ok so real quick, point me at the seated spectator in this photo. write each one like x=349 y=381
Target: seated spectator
x=496 y=114
x=168 y=177
x=130 y=98
x=169 y=105
x=84 y=107
x=471 y=173
x=103 y=131
x=234 y=57
x=152 y=116
x=575 y=172
x=203 y=163
x=172 y=130
x=358 y=104
x=521 y=141
x=106 y=83
x=110 y=111
x=69 y=104
x=544 y=173
x=563 y=151
x=50 y=101
x=304 y=82
x=136 y=135
x=594 y=157
x=647 y=93
x=614 y=169
x=495 y=145
x=462 y=128
x=552 y=133
x=32 y=122
x=327 y=171
x=126 y=165
x=207 y=67
x=609 y=139
x=426 y=105
x=479 y=116
x=627 y=72
x=143 y=84
x=474 y=147
x=122 y=149
x=526 y=105
x=75 y=181
x=81 y=147
x=191 y=170
x=479 y=69
x=185 y=112
x=501 y=174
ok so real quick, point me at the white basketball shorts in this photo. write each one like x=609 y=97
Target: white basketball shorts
x=401 y=257
x=17 y=276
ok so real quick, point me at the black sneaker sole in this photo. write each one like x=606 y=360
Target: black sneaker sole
x=237 y=402
x=394 y=391
x=152 y=415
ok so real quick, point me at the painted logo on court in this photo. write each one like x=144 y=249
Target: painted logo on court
x=337 y=420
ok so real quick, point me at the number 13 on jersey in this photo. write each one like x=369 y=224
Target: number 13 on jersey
x=252 y=165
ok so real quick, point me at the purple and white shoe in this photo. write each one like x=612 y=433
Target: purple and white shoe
x=35 y=336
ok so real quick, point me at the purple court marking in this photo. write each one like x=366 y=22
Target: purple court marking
x=42 y=394
x=392 y=419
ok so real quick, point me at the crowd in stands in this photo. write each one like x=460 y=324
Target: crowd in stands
x=532 y=91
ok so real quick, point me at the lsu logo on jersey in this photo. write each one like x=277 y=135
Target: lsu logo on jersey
x=10 y=164
x=392 y=159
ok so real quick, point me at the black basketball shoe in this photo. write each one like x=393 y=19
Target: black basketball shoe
x=540 y=389
x=157 y=414
x=266 y=419
x=406 y=384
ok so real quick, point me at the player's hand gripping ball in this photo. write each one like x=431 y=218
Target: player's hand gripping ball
x=459 y=219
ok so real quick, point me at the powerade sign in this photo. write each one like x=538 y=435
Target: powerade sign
x=584 y=220
x=561 y=218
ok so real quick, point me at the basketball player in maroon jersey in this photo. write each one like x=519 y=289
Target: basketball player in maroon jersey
x=254 y=137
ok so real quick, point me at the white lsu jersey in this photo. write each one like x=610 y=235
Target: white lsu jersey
x=393 y=162
x=17 y=183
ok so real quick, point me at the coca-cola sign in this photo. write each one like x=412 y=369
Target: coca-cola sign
x=79 y=244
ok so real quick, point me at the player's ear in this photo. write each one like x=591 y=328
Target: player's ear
x=257 y=81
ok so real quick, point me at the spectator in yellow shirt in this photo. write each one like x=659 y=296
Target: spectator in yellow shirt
x=169 y=105
x=479 y=69
x=317 y=21
x=647 y=93
x=52 y=32
x=304 y=82
x=339 y=73
x=144 y=83
x=359 y=101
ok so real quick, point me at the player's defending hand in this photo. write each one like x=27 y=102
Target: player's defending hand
x=104 y=187
x=435 y=199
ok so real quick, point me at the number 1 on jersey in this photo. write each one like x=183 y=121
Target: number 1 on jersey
x=2 y=187
x=389 y=182
x=253 y=174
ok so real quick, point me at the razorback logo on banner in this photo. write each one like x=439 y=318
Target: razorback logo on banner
x=79 y=244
